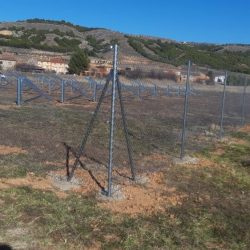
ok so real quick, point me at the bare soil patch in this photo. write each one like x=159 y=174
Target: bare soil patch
x=7 y=107
x=245 y=129
x=145 y=199
x=5 y=150
x=31 y=181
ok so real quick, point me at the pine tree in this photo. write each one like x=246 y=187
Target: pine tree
x=78 y=62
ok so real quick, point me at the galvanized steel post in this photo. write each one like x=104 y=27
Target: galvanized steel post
x=62 y=91
x=112 y=120
x=223 y=106
x=49 y=87
x=125 y=127
x=19 y=91
x=71 y=87
x=185 y=112
x=243 y=103
x=155 y=90
x=94 y=92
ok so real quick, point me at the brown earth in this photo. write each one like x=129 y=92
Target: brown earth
x=246 y=129
x=149 y=197
x=7 y=107
x=5 y=150
x=32 y=181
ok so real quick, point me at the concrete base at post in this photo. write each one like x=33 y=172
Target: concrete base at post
x=186 y=160
x=116 y=194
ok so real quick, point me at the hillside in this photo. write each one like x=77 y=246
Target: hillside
x=231 y=57
x=64 y=37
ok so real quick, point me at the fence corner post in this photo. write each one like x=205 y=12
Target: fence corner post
x=112 y=120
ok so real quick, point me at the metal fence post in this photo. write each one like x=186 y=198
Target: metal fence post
x=139 y=91
x=168 y=90
x=185 y=112
x=71 y=87
x=125 y=127
x=223 y=107
x=94 y=92
x=62 y=91
x=49 y=87
x=19 y=91
x=155 y=90
x=243 y=103
x=112 y=121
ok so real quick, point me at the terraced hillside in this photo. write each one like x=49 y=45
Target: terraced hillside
x=64 y=37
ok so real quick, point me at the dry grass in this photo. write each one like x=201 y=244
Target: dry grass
x=195 y=206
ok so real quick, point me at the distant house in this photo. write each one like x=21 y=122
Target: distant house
x=100 y=62
x=98 y=68
x=219 y=79
x=7 y=62
x=56 y=64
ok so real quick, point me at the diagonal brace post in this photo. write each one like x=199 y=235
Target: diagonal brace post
x=90 y=127
x=125 y=127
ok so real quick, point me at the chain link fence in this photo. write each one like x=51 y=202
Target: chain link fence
x=55 y=113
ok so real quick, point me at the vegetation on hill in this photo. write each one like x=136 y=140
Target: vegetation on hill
x=98 y=45
x=69 y=44
x=213 y=56
x=65 y=41
x=33 y=38
x=62 y=22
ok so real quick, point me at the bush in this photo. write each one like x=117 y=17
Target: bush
x=78 y=62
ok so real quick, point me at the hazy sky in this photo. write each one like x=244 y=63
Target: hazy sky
x=219 y=21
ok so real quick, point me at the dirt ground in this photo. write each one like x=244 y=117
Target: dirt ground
x=5 y=150
x=149 y=194
x=153 y=128
x=32 y=154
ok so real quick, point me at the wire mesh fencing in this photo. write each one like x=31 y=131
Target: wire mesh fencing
x=166 y=110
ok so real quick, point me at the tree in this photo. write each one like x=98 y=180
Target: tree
x=210 y=75
x=79 y=62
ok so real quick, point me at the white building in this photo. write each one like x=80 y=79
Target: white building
x=56 y=64
x=219 y=79
x=7 y=62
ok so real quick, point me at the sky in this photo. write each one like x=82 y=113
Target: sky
x=211 y=21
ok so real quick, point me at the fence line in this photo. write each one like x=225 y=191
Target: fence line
x=186 y=116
